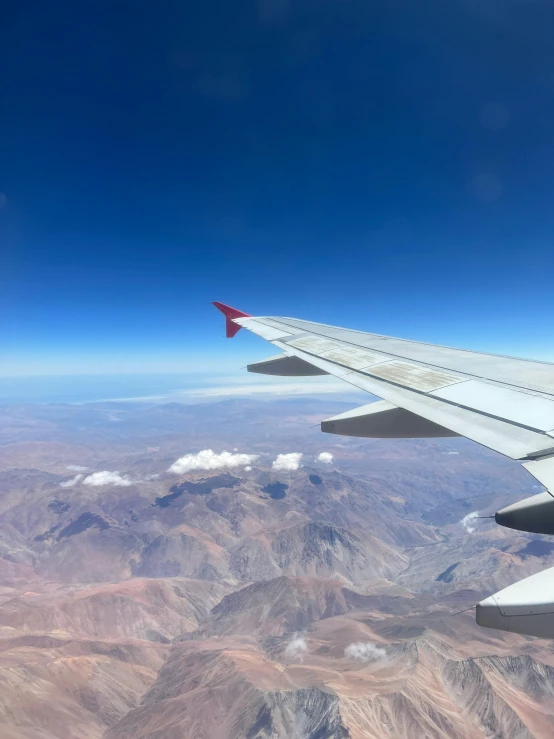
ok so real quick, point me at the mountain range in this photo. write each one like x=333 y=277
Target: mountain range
x=249 y=600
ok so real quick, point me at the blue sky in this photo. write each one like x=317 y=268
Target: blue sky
x=380 y=165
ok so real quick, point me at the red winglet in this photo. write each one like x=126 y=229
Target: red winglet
x=230 y=313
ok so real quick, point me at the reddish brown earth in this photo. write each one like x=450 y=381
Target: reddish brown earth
x=230 y=604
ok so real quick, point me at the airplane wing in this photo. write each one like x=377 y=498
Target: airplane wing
x=503 y=403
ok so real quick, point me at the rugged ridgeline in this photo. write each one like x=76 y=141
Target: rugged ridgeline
x=313 y=603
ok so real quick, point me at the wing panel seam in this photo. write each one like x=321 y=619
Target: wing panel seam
x=527 y=391
x=426 y=395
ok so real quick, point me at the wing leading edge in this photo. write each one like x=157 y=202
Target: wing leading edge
x=503 y=403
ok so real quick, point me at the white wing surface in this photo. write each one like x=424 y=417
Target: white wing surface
x=503 y=403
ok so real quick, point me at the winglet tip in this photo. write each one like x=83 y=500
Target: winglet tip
x=228 y=311
x=231 y=328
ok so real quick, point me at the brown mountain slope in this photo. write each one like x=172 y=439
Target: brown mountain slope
x=420 y=687
x=216 y=690
x=289 y=604
x=317 y=549
x=153 y=610
x=59 y=688
x=321 y=597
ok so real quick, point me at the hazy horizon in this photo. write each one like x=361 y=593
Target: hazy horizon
x=159 y=388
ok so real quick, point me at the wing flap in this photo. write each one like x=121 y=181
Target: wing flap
x=532 y=411
x=284 y=365
x=543 y=471
x=501 y=436
x=383 y=420
x=526 y=607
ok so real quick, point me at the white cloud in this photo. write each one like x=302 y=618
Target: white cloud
x=451 y=452
x=97 y=479
x=297 y=648
x=72 y=482
x=248 y=469
x=209 y=460
x=76 y=468
x=325 y=457
x=273 y=388
x=364 y=652
x=287 y=461
x=467 y=521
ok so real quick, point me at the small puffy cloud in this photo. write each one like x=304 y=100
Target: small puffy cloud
x=287 y=462
x=72 y=482
x=209 y=460
x=364 y=652
x=76 y=468
x=467 y=521
x=97 y=479
x=297 y=648
x=325 y=457
x=248 y=468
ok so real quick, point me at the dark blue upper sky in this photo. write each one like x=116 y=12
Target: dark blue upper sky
x=383 y=165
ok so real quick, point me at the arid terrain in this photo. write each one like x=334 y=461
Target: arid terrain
x=151 y=591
